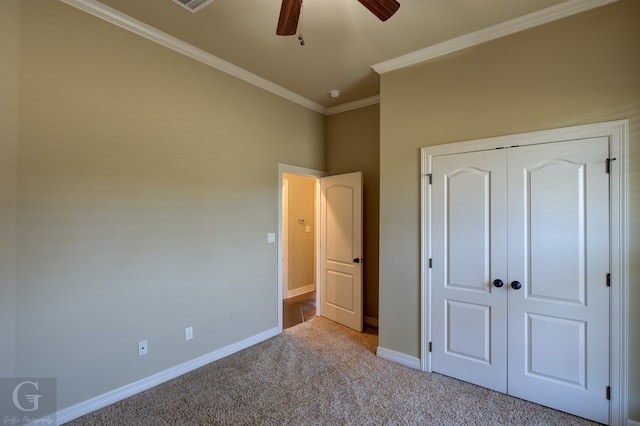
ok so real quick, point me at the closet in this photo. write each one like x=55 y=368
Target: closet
x=519 y=264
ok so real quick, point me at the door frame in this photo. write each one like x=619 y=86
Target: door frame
x=300 y=171
x=617 y=132
x=284 y=247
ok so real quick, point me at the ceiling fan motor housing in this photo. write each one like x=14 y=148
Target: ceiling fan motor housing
x=193 y=5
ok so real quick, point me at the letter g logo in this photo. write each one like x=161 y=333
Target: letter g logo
x=33 y=399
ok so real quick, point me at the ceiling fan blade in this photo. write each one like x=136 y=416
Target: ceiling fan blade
x=383 y=9
x=289 y=16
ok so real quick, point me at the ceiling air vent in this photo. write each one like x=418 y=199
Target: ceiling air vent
x=193 y=5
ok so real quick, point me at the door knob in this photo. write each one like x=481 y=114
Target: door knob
x=498 y=283
x=516 y=285
x=358 y=260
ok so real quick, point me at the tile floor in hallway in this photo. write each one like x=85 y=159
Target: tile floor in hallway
x=298 y=309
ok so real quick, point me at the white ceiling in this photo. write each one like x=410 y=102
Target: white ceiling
x=343 y=40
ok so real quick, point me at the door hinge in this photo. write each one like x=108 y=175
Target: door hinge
x=608 y=164
x=608 y=280
x=430 y=176
x=430 y=263
x=609 y=392
x=430 y=346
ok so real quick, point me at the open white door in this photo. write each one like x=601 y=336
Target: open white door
x=341 y=249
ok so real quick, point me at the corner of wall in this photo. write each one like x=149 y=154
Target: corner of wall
x=9 y=106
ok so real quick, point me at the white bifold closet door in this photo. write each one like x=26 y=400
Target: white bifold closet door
x=520 y=243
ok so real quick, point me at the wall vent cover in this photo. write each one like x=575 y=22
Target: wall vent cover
x=193 y=5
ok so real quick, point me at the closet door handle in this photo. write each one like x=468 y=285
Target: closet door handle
x=498 y=283
x=516 y=285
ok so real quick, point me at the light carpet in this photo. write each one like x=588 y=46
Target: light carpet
x=320 y=373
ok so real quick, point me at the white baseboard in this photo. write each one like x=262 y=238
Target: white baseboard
x=93 y=404
x=398 y=358
x=373 y=322
x=301 y=290
x=632 y=423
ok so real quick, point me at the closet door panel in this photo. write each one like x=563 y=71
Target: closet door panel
x=469 y=252
x=559 y=253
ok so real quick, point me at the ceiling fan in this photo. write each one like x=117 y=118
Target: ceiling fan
x=290 y=13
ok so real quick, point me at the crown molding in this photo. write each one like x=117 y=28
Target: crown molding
x=550 y=14
x=568 y=8
x=128 y=23
x=353 y=105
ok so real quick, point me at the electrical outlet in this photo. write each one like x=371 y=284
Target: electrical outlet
x=143 y=348
x=188 y=333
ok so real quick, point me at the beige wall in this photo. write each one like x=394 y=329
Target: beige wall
x=129 y=227
x=353 y=144
x=301 y=244
x=579 y=70
x=147 y=184
x=9 y=92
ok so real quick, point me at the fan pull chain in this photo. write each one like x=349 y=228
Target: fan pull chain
x=301 y=24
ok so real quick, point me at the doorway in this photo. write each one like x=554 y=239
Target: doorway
x=337 y=244
x=285 y=172
x=299 y=235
